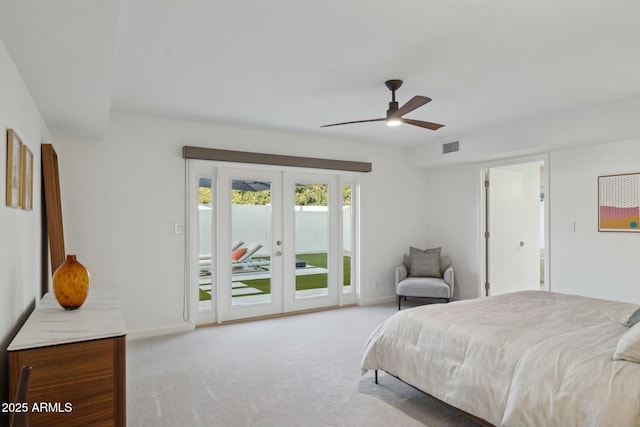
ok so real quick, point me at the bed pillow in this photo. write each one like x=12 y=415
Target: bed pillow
x=628 y=347
x=424 y=263
x=633 y=319
x=238 y=253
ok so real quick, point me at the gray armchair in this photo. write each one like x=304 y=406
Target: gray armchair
x=420 y=285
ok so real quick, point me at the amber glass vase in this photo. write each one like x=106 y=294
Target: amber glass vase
x=71 y=283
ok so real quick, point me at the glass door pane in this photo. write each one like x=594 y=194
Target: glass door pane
x=347 y=239
x=251 y=215
x=205 y=244
x=311 y=239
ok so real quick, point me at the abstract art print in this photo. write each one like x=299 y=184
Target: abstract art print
x=619 y=203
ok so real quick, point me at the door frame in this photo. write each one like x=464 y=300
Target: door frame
x=352 y=297
x=210 y=168
x=194 y=170
x=482 y=217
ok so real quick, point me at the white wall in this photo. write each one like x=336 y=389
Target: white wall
x=585 y=262
x=20 y=231
x=593 y=124
x=599 y=264
x=452 y=222
x=109 y=187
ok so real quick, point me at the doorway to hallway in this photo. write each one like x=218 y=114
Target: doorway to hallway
x=514 y=213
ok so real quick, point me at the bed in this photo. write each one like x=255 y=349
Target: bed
x=530 y=358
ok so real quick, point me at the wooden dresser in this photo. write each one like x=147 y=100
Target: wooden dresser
x=79 y=363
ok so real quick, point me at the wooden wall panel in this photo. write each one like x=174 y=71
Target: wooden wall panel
x=53 y=205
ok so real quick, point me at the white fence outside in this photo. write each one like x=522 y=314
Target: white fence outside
x=251 y=224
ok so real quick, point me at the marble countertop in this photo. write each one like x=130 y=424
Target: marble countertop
x=99 y=317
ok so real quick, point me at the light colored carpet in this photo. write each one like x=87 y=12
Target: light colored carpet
x=300 y=370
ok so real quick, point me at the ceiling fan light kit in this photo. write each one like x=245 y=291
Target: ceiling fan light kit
x=395 y=114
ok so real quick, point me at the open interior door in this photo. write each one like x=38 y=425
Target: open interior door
x=513 y=213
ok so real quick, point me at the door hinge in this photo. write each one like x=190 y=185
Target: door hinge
x=486 y=183
x=486 y=234
x=486 y=288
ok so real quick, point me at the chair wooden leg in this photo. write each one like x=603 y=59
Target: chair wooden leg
x=399 y=301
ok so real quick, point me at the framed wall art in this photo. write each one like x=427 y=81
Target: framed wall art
x=619 y=203
x=26 y=176
x=14 y=150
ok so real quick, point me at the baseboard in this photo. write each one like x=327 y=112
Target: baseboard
x=276 y=316
x=378 y=300
x=155 y=332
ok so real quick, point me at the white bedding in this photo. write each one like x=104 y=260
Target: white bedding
x=523 y=359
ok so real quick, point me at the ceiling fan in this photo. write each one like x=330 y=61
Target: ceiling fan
x=395 y=114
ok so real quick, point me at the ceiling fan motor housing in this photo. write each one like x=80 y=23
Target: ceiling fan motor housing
x=393 y=107
x=393 y=85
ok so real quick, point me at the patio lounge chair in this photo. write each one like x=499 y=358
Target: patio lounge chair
x=244 y=259
x=205 y=260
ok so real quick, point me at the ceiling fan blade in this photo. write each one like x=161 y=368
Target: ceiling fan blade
x=412 y=104
x=357 y=121
x=420 y=123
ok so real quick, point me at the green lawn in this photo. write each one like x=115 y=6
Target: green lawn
x=310 y=281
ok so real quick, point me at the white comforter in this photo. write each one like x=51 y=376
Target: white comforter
x=522 y=359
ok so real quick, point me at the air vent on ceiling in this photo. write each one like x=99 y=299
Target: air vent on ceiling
x=451 y=147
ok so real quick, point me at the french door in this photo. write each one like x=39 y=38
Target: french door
x=311 y=230
x=250 y=212
x=268 y=241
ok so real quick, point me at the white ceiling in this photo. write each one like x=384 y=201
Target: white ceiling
x=293 y=65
